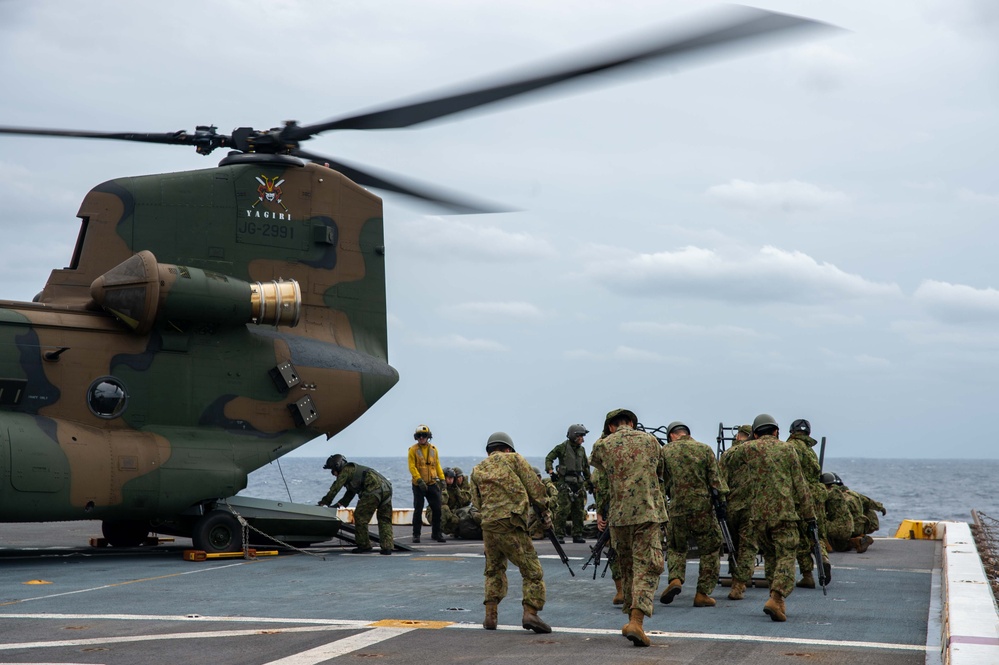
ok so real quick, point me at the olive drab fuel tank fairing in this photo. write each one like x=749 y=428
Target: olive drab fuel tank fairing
x=157 y=347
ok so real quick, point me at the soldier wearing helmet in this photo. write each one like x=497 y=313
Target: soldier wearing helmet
x=690 y=475
x=572 y=480
x=506 y=491
x=428 y=482
x=839 y=516
x=778 y=500
x=632 y=463
x=454 y=498
x=374 y=497
x=804 y=446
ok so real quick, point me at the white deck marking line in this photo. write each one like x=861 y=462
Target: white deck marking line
x=341 y=647
x=164 y=636
x=720 y=637
x=343 y=623
x=117 y=584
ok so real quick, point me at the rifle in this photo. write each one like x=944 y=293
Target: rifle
x=813 y=530
x=598 y=547
x=721 y=512
x=596 y=550
x=554 y=539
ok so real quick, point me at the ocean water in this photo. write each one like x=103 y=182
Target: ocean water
x=919 y=489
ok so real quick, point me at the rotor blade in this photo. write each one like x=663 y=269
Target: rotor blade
x=738 y=25
x=446 y=201
x=177 y=138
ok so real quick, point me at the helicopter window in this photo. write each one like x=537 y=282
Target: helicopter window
x=107 y=397
x=75 y=261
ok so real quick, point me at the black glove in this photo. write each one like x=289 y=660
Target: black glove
x=884 y=511
x=554 y=476
x=422 y=485
x=721 y=510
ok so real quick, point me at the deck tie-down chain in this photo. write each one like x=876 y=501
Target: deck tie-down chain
x=246 y=526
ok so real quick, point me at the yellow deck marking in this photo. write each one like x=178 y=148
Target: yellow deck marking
x=37 y=582
x=407 y=623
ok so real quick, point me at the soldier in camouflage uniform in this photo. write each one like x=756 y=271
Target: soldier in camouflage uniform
x=505 y=490
x=839 y=517
x=601 y=493
x=779 y=500
x=632 y=464
x=454 y=497
x=572 y=480
x=374 y=495
x=804 y=446
x=689 y=476
x=865 y=517
x=535 y=525
x=740 y=489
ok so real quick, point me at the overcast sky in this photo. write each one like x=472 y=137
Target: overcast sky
x=806 y=229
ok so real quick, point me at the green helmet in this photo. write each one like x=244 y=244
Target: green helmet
x=763 y=420
x=537 y=471
x=673 y=425
x=574 y=431
x=497 y=440
x=457 y=471
x=746 y=429
x=828 y=478
x=335 y=463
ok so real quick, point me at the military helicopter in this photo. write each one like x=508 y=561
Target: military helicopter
x=211 y=321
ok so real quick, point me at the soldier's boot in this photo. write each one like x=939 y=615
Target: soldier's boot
x=532 y=621
x=492 y=616
x=619 y=595
x=855 y=543
x=633 y=629
x=703 y=600
x=807 y=581
x=774 y=607
x=827 y=569
x=865 y=542
x=671 y=592
x=737 y=592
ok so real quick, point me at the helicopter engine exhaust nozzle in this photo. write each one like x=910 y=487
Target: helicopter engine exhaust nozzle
x=142 y=292
x=276 y=303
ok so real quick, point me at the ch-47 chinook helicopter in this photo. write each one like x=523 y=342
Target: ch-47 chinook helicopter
x=212 y=321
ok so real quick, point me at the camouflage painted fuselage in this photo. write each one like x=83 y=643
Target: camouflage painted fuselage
x=104 y=416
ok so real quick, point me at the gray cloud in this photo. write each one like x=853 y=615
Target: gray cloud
x=770 y=275
x=789 y=196
x=493 y=312
x=958 y=303
x=446 y=238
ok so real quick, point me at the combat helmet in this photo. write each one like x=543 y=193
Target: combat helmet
x=458 y=473
x=498 y=440
x=801 y=425
x=828 y=478
x=449 y=472
x=673 y=425
x=574 y=431
x=423 y=430
x=335 y=463
x=762 y=421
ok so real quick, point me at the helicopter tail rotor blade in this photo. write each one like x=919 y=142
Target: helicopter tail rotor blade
x=737 y=26
x=447 y=202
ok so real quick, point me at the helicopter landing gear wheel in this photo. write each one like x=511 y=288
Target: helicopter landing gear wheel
x=124 y=533
x=217 y=531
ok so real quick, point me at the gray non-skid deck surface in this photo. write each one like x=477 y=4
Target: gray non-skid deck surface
x=876 y=609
